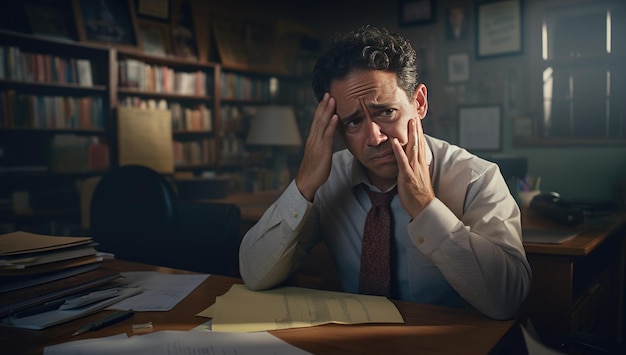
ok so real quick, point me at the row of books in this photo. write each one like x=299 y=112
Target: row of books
x=50 y=112
x=241 y=87
x=162 y=79
x=194 y=153
x=184 y=118
x=16 y=64
x=233 y=117
x=74 y=153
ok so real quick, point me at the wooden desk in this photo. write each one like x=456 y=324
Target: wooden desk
x=427 y=328
x=579 y=284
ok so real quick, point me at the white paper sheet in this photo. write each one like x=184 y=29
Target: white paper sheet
x=179 y=343
x=161 y=292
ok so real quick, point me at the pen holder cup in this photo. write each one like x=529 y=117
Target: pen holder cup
x=526 y=196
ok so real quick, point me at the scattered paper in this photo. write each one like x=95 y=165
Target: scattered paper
x=179 y=343
x=161 y=292
x=243 y=310
x=47 y=319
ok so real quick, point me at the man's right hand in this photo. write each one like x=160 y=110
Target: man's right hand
x=315 y=166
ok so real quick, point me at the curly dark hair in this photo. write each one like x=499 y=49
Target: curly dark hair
x=369 y=48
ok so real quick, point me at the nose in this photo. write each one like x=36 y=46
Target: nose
x=375 y=135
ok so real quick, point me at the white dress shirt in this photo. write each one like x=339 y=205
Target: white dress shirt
x=463 y=249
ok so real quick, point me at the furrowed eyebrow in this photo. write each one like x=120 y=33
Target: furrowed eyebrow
x=372 y=106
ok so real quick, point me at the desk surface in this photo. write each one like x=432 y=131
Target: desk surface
x=593 y=233
x=427 y=328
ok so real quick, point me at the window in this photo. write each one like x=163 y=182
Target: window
x=583 y=73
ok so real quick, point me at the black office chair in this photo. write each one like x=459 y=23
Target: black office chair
x=133 y=209
x=136 y=215
x=209 y=234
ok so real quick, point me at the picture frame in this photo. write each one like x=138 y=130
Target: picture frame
x=457 y=21
x=229 y=42
x=480 y=127
x=50 y=19
x=183 y=31
x=499 y=28
x=458 y=67
x=154 y=9
x=416 y=12
x=155 y=37
x=109 y=21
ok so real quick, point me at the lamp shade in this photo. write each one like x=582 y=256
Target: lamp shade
x=274 y=125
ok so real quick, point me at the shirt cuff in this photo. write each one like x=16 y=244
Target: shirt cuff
x=292 y=206
x=432 y=226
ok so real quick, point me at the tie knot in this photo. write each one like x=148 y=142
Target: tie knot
x=381 y=199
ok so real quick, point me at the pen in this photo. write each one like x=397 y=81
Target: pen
x=104 y=322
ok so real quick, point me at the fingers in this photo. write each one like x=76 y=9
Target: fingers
x=324 y=119
x=421 y=143
x=401 y=157
x=413 y=145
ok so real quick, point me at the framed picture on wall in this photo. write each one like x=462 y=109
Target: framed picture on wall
x=50 y=19
x=498 y=28
x=155 y=37
x=458 y=68
x=106 y=21
x=457 y=20
x=183 y=30
x=480 y=128
x=154 y=9
x=415 y=12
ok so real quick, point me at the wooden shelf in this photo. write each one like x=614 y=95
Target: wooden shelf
x=123 y=91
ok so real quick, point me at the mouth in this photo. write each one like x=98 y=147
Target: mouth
x=383 y=157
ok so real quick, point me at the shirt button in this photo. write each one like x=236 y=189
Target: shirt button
x=420 y=240
x=294 y=214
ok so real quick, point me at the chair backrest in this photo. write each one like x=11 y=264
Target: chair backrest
x=209 y=234
x=133 y=208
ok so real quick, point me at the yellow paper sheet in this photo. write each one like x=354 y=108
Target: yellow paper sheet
x=242 y=310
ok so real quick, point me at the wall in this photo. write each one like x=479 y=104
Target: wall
x=574 y=171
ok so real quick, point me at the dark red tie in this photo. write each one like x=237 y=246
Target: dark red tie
x=375 y=275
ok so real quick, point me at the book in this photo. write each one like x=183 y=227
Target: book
x=83 y=68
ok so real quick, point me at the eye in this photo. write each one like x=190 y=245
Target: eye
x=387 y=114
x=352 y=123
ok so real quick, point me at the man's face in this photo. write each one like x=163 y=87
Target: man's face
x=372 y=110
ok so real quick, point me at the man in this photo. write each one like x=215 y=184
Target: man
x=455 y=226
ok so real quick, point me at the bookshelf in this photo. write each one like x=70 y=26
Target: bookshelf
x=185 y=87
x=211 y=100
x=53 y=126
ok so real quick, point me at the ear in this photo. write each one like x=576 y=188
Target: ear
x=420 y=96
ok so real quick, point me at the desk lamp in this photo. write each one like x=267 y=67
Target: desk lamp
x=275 y=127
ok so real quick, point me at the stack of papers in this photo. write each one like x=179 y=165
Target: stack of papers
x=37 y=269
x=23 y=253
x=242 y=310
